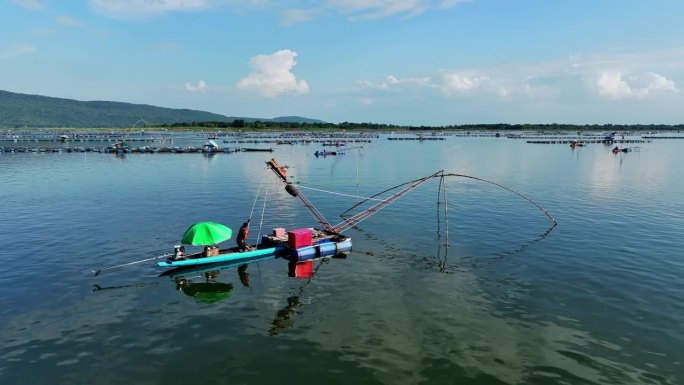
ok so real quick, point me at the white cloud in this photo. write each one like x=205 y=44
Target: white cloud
x=43 y=32
x=167 y=46
x=18 y=50
x=457 y=82
x=295 y=16
x=200 y=87
x=613 y=86
x=393 y=83
x=366 y=9
x=272 y=75
x=68 y=21
x=374 y=9
x=366 y=101
x=652 y=81
x=613 y=76
x=139 y=9
x=33 y=5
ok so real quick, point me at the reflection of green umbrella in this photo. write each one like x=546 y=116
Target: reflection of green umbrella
x=207 y=292
x=206 y=233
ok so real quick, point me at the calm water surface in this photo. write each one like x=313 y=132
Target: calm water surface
x=599 y=300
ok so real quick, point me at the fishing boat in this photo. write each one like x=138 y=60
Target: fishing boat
x=327 y=153
x=308 y=243
x=299 y=245
x=618 y=149
x=224 y=255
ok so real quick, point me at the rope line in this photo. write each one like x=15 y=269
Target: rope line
x=443 y=175
x=446 y=215
x=261 y=221
x=257 y=194
x=336 y=193
x=511 y=190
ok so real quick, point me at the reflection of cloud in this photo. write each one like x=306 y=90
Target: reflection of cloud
x=447 y=325
x=33 y=5
x=200 y=87
x=272 y=75
x=18 y=50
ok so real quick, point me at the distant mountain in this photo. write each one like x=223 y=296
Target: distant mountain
x=34 y=111
x=295 y=119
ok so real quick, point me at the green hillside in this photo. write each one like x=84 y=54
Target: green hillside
x=34 y=111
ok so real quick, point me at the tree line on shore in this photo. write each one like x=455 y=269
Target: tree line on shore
x=240 y=124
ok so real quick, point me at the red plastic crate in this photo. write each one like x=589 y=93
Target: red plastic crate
x=279 y=232
x=299 y=238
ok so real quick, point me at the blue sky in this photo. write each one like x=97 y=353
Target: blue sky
x=418 y=62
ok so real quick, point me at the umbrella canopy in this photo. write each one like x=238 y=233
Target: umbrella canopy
x=206 y=233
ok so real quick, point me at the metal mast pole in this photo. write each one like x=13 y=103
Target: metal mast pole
x=281 y=173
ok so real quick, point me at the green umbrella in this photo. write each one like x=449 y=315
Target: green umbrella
x=206 y=233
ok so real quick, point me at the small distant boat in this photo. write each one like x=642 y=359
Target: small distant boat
x=247 y=149
x=327 y=153
x=617 y=149
x=576 y=143
x=211 y=146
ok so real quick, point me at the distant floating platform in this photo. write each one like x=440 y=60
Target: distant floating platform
x=131 y=150
x=584 y=141
x=663 y=137
x=429 y=138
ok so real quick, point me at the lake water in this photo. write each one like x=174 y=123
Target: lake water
x=598 y=300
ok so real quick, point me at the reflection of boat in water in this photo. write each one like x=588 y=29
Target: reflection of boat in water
x=248 y=149
x=618 y=149
x=208 y=291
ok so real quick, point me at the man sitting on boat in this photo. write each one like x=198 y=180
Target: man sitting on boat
x=211 y=251
x=179 y=252
x=243 y=233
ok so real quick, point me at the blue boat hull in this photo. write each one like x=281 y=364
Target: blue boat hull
x=230 y=255
x=321 y=249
